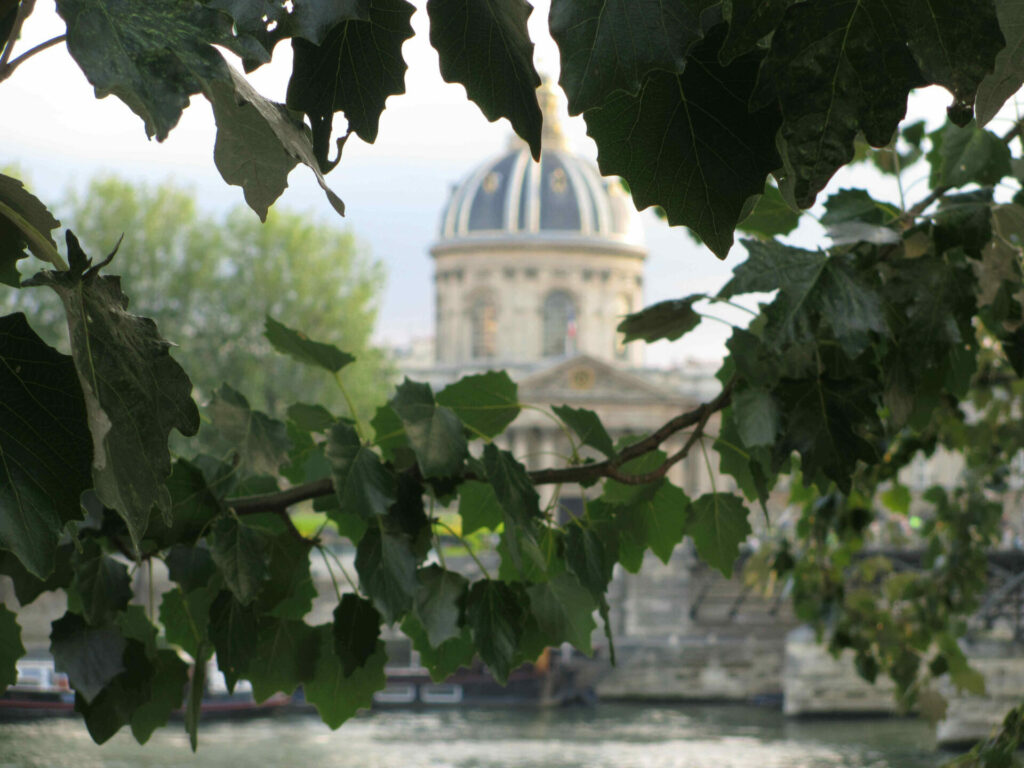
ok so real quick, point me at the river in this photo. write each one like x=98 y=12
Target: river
x=605 y=736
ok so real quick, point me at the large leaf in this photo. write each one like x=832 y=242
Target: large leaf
x=259 y=142
x=101 y=585
x=657 y=521
x=260 y=441
x=496 y=613
x=564 y=611
x=611 y=45
x=151 y=55
x=233 y=631
x=961 y=156
x=135 y=392
x=355 y=631
x=444 y=660
x=186 y=619
x=45 y=446
x=689 y=143
x=167 y=687
x=387 y=571
x=193 y=507
x=313 y=19
x=750 y=21
x=91 y=657
x=484 y=402
x=433 y=431
x=285 y=656
x=297 y=345
x=588 y=427
x=11 y=648
x=240 y=553
x=836 y=67
x=338 y=693
x=485 y=46
x=114 y=706
x=438 y=603
x=363 y=485
x=772 y=215
x=1008 y=75
x=25 y=223
x=478 y=507
x=718 y=525
x=356 y=67
x=516 y=493
x=665 y=320
x=757 y=416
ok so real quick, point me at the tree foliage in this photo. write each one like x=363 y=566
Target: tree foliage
x=903 y=336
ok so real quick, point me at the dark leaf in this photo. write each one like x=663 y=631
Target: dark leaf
x=193 y=506
x=588 y=427
x=689 y=143
x=191 y=567
x=433 y=431
x=484 y=402
x=485 y=46
x=363 y=485
x=313 y=19
x=513 y=487
x=750 y=21
x=856 y=205
x=11 y=648
x=771 y=215
x=115 y=705
x=387 y=571
x=336 y=693
x=718 y=525
x=564 y=611
x=286 y=655
x=185 y=619
x=438 y=604
x=194 y=702
x=664 y=320
x=657 y=521
x=297 y=345
x=101 y=584
x=757 y=416
x=167 y=689
x=261 y=442
x=389 y=436
x=445 y=660
x=311 y=418
x=25 y=223
x=45 y=445
x=495 y=614
x=961 y=156
x=240 y=553
x=748 y=466
x=91 y=657
x=356 y=629
x=478 y=507
x=1008 y=75
x=233 y=632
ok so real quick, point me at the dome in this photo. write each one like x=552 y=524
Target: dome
x=562 y=199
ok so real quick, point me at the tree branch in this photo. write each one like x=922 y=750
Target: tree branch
x=697 y=418
x=8 y=70
x=24 y=11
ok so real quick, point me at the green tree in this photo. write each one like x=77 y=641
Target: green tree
x=210 y=282
x=903 y=335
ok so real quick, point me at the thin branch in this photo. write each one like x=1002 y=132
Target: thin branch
x=272 y=502
x=24 y=11
x=7 y=71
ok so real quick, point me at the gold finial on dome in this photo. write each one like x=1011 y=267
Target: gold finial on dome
x=552 y=134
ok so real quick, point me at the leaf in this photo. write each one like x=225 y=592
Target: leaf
x=11 y=648
x=45 y=445
x=387 y=571
x=856 y=205
x=91 y=657
x=434 y=432
x=835 y=67
x=167 y=688
x=191 y=567
x=363 y=485
x=27 y=587
x=771 y=215
x=748 y=466
x=564 y=611
x=389 y=436
x=233 y=632
x=337 y=694
x=485 y=402
x=478 y=507
x=194 y=702
x=588 y=427
x=438 y=603
x=718 y=525
x=355 y=631
x=664 y=320
x=240 y=553
x=358 y=65
x=515 y=491
x=25 y=223
x=261 y=442
x=445 y=660
x=311 y=418
x=113 y=707
x=961 y=156
x=587 y=557
x=313 y=19
x=100 y=583
x=757 y=416
x=185 y=619
x=286 y=655
x=297 y=345
x=689 y=143
x=152 y=56
x=495 y=614
x=750 y=21
x=611 y=46
x=193 y=507
x=657 y=521
x=1008 y=75
x=485 y=46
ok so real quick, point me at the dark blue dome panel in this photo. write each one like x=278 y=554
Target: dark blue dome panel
x=489 y=204
x=559 y=204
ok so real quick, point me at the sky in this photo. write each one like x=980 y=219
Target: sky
x=59 y=135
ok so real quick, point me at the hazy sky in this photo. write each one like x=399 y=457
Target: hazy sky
x=60 y=134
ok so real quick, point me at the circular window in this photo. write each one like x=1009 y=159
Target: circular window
x=581 y=378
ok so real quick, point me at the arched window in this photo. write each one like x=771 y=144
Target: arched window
x=483 y=325
x=559 y=325
x=623 y=306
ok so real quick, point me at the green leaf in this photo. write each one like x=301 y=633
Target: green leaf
x=772 y=215
x=612 y=45
x=836 y=67
x=261 y=442
x=233 y=631
x=45 y=446
x=434 y=432
x=135 y=392
x=495 y=614
x=445 y=660
x=27 y=587
x=191 y=567
x=336 y=693
x=486 y=47
x=113 y=707
x=363 y=485
x=152 y=56
x=389 y=436
x=193 y=506
x=100 y=583
x=355 y=630
x=167 y=689
x=11 y=648
x=25 y=223
x=718 y=525
x=91 y=657
x=856 y=205
x=1008 y=75
x=185 y=619
x=564 y=611
x=961 y=156
x=897 y=499
x=484 y=402
x=664 y=320
x=748 y=466
x=750 y=21
x=513 y=487
x=438 y=603
x=194 y=702
x=358 y=65
x=313 y=19
x=387 y=571
x=286 y=655
x=588 y=427
x=757 y=416
x=478 y=507
x=311 y=418
x=658 y=521
x=240 y=553
x=689 y=143
x=587 y=557
x=297 y=345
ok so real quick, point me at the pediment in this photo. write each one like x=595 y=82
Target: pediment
x=584 y=378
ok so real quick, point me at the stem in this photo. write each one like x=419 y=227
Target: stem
x=561 y=425
x=465 y=544
x=334 y=581
x=24 y=11
x=38 y=242
x=8 y=70
x=733 y=304
x=707 y=463
x=344 y=570
x=351 y=406
x=723 y=321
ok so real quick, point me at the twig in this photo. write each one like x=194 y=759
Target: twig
x=8 y=70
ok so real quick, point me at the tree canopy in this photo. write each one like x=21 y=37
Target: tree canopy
x=903 y=335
